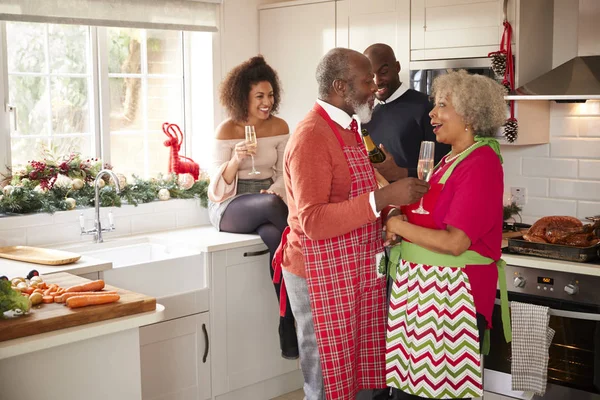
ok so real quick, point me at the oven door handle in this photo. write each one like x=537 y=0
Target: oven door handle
x=569 y=314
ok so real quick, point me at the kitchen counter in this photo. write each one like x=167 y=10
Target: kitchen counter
x=84 y=265
x=30 y=344
x=206 y=238
x=93 y=361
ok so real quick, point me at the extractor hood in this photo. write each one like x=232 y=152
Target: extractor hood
x=576 y=80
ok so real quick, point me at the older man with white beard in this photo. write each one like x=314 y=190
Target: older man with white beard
x=331 y=250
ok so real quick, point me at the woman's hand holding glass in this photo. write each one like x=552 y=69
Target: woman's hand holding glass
x=425 y=169
x=251 y=144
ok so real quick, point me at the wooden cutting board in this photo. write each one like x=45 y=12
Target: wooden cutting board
x=51 y=317
x=38 y=255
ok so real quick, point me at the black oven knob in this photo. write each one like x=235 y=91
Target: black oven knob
x=571 y=289
x=519 y=281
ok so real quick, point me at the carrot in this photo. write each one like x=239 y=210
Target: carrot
x=28 y=290
x=38 y=291
x=52 y=288
x=63 y=297
x=48 y=299
x=90 y=300
x=87 y=287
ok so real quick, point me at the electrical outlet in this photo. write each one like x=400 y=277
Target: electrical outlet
x=518 y=195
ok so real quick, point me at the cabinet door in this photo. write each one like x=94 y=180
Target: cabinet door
x=456 y=28
x=175 y=359
x=293 y=39
x=245 y=320
x=362 y=23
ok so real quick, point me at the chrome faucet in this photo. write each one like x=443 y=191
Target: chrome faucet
x=97 y=231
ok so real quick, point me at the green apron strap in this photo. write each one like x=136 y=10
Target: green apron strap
x=485 y=349
x=480 y=141
x=504 y=301
x=394 y=262
x=493 y=143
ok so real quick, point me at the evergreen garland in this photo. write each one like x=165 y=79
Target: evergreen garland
x=54 y=191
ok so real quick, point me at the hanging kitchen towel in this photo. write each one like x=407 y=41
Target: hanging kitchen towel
x=530 y=342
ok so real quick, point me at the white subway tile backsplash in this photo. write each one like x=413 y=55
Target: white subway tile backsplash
x=173 y=204
x=564 y=109
x=538 y=150
x=589 y=169
x=564 y=126
x=540 y=207
x=26 y=221
x=536 y=187
x=570 y=189
x=145 y=208
x=549 y=167
x=590 y=127
x=590 y=107
x=63 y=226
x=511 y=165
x=52 y=234
x=192 y=217
x=588 y=209
x=153 y=222
x=13 y=237
x=575 y=148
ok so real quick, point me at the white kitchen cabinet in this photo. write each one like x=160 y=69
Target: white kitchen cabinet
x=361 y=23
x=293 y=38
x=175 y=359
x=245 y=317
x=444 y=29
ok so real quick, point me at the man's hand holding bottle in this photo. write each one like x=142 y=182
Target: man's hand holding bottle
x=388 y=167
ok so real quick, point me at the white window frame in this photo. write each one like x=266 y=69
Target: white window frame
x=98 y=96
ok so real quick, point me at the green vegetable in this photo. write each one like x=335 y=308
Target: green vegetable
x=11 y=299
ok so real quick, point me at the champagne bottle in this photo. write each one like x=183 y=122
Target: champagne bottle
x=375 y=154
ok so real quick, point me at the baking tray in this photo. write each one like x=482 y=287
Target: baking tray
x=555 y=251
x=38 y=255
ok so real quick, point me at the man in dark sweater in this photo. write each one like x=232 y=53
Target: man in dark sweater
x=401 y=120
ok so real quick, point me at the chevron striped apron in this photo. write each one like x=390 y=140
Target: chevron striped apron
x=433 y=343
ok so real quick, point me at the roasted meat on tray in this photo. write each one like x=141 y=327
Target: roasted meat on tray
x=563 y=230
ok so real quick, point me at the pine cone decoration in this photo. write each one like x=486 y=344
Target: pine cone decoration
x=506 y=85
x=511 y=130
x=499 y=63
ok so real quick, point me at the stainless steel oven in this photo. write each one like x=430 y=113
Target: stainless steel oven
x=422 y=73
x=574 y=355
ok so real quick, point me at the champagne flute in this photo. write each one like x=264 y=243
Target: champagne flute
x=425 y=169
x=251 y=142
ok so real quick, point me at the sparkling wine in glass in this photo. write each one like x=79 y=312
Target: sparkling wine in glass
x=425 y=169
x=251 y=142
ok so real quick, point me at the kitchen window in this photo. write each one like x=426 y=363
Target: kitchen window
x=102 y=92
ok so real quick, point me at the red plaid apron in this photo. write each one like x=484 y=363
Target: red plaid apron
x=347 y=296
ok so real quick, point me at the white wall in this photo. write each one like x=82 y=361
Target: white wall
x=563 y=177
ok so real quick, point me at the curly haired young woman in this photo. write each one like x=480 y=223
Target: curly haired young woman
x=238 y=201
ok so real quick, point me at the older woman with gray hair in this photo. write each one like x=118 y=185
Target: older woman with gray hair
x=447 y=265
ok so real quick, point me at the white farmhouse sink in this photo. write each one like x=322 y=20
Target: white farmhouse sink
x=140 y=253
x=173 y=273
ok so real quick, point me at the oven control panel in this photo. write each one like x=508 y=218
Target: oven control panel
x=555 y=284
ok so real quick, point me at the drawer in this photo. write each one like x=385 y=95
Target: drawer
x=247 y=254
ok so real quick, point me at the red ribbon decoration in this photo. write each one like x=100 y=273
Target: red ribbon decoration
x=509 y=73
